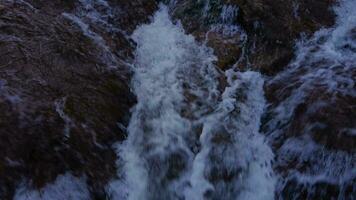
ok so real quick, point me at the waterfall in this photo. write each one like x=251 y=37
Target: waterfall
x=188 y=138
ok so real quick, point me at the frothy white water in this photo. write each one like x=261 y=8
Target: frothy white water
x=65 y=187
x=158 y=143
x=234 y=155
x=188 y=139
x=322 y=76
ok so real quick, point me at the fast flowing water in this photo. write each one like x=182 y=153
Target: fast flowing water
x=189 y=137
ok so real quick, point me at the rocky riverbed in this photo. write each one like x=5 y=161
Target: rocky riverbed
x=181 y=99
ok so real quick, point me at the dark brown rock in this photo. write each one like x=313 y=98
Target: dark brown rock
x=62 y=93
x=227 y=48
x=128 y=14
x=272 y=28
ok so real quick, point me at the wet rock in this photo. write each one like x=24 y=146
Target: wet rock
x=227 y=48
x=206 y=22
x=64 y=94
x=128 y=14
x=311 y=121
x=271 y=26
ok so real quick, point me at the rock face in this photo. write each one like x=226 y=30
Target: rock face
x=64 y=94
x=272 y=27
x=216 y=23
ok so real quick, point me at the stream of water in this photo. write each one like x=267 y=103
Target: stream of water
x=188 y=139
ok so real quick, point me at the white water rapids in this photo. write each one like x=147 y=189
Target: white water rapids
x=187 y=139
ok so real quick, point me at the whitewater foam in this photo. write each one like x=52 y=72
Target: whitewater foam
x=173 y=150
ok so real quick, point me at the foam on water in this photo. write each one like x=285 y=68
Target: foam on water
x=157 y=131
x=188 y=139
x=234 y=154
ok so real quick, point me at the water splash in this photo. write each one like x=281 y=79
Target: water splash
x=188 y=139
x=234 y=156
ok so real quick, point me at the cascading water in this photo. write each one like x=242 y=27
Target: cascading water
x=194 y=133
x=187 y=139
x=314 y=160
